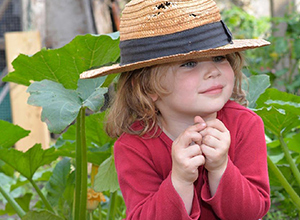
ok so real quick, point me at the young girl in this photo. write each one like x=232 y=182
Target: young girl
x=187 y=147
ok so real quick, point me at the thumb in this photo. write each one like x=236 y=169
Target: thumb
x=199 y=120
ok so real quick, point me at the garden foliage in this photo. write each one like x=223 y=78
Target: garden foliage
x=52 y=183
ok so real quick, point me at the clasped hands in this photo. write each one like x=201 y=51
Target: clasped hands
x=204 y=143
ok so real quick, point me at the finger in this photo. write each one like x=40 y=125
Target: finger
x=207 y=150
x=217 y=124
x=210 y=131
x=191 y=134
x=199 y=120
x=211 y=141
x=194 y=150
x=198 y=161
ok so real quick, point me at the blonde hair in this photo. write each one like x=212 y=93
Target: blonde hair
x=132 y=102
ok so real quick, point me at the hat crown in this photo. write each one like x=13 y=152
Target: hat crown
x=150 y=18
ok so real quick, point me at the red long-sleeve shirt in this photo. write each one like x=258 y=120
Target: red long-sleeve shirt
x=144 y=165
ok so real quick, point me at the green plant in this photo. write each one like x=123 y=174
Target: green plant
x=281 y=114
x=280 y=60
x=52 y=77
x=279 y=110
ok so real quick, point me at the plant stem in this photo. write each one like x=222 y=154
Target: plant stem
x=100 y=211
x=289 y=158
x=12 y=202
x=111 y=212
x=292 y=70
x=81 y=168
x=285 y=184
x=41 y=195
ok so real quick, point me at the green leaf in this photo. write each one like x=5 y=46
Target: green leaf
x=6 y=169
x=58 y=181
x=94 y=155
x=64 y=65
x=278 y=121
x=279 y=110
x=293 y=143
x=95 y=133
x=27 y=163
x=39 y=176
x=256 y=86
x=106 y=178
x=60 y=105
x=10 y=134
x=23 y=201
x=98 y=142
x=69 y=191
x=276 y=158
x=56 y=73
x=91 y=92
x=41 y=215
x=274 y=97
x=5 y=183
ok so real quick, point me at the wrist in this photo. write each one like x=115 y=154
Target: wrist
x=180 y=183
x=217 y=172
x=185 y=190
x=220 y=169
x=215 y=176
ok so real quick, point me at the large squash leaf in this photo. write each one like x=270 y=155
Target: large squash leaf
x=280 y=111
x=10 y=134
x=278 y=121
x=255 y=86
x=276 y=98
x=64 y=65
x=55 y=74
x=60 y=105
x=27 y=163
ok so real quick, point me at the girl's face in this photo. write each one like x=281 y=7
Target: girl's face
x=198 y=87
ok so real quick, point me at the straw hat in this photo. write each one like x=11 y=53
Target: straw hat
x=156 y=32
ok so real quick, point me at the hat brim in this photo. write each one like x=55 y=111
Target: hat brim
x=237 y=45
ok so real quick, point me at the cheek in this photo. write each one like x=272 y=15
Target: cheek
x=229 y=75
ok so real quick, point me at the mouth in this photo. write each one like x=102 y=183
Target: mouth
x=213 y=90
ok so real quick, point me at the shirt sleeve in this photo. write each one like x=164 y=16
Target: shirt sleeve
x=243 y=192
x=146 y=194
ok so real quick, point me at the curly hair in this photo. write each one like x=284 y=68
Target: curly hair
x=132 y=101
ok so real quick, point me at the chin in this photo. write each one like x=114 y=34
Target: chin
x=215 y=107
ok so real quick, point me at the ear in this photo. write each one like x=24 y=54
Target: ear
x=154 y=97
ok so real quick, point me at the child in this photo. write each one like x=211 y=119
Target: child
x=186 y=149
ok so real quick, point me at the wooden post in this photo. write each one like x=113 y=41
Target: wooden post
x=24 y=115
x=66 y=19
x=102 y=16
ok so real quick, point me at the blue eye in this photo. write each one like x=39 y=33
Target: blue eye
x=189 y=64
x=218 y=59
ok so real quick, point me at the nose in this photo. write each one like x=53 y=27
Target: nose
x=212 y=70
